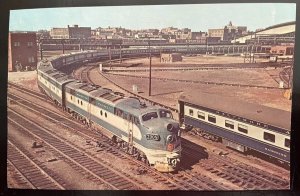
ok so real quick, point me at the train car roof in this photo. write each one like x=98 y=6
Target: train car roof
x=58 y=76
x=234 y=106
x=133 y=106
x=101 y=94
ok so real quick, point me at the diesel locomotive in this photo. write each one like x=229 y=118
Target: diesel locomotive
x=148 y=132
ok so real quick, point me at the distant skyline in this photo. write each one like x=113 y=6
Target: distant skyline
x=199 y=17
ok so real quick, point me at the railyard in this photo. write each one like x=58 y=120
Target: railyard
x=207 y=165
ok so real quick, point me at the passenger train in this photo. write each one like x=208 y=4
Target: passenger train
x=148 y=132
x=238 y=124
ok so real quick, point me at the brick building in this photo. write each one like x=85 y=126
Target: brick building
x=22 y=51
x=70 y=32
x=228 y=33
x=168 y=58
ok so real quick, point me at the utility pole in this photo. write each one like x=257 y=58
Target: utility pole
x=120 y=53
x=63 y=46
x=41 y=49
x=149 y=69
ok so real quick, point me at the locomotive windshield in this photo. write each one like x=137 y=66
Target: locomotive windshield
x=165 y=114
x=149 y=116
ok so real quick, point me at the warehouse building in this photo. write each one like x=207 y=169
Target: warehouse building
x=22 y=51
x=71 y=32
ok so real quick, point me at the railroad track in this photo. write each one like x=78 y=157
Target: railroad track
x=197 y=82
x=211 y=67
x=31 y=172
x=280 y=170
x=265 y=182
x=184 y=180
x=27 y=91
x=243 y=175
x=100 y=171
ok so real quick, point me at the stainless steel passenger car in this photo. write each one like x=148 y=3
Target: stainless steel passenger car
x=240 y=125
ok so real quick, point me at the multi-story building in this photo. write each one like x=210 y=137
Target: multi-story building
x=71 y=32
x=43 y=34
x=228 y=33
x=111 y=32
x=59 y=33
x=79 y=32
x=22 y=51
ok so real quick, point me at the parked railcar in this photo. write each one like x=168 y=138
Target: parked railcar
x=238 y=124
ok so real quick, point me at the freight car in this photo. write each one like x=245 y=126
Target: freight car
x=239 y=125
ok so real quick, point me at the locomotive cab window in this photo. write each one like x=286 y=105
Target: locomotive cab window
x=269 y=137
x=136 y=121
x=165 y=114
x=243 y=128
x=201 y=115
x=211 y=119
x=191 y=112
x=149 y=116
x=287 y=143
x=229 y=124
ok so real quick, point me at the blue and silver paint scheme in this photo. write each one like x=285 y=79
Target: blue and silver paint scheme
x=248 y=130
x=122 y=117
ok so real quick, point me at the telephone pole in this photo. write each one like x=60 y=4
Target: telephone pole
x=149 y=69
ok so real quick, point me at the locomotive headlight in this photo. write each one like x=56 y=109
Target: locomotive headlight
x=174 y=162
x=170 y=138
x=170 y=127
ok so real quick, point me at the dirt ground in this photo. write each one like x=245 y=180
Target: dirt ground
x=168 y=91
x=193 y=60
x=27 y=79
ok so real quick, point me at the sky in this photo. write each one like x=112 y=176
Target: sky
x=196 y=17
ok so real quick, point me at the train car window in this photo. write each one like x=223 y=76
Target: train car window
x=105 y=115
x=242 y=128
x=269 y=137
x=201 y=115
x=136 y=121
x=81 y=102
x=71 y=97
x=124 y=116
x=149 y=116
x=211 y=118
x=129 y=117
x=78 y=101
x=229 y=124
x=101 y=112
x=191 y=112
x=119 y=112
x=287 y=143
